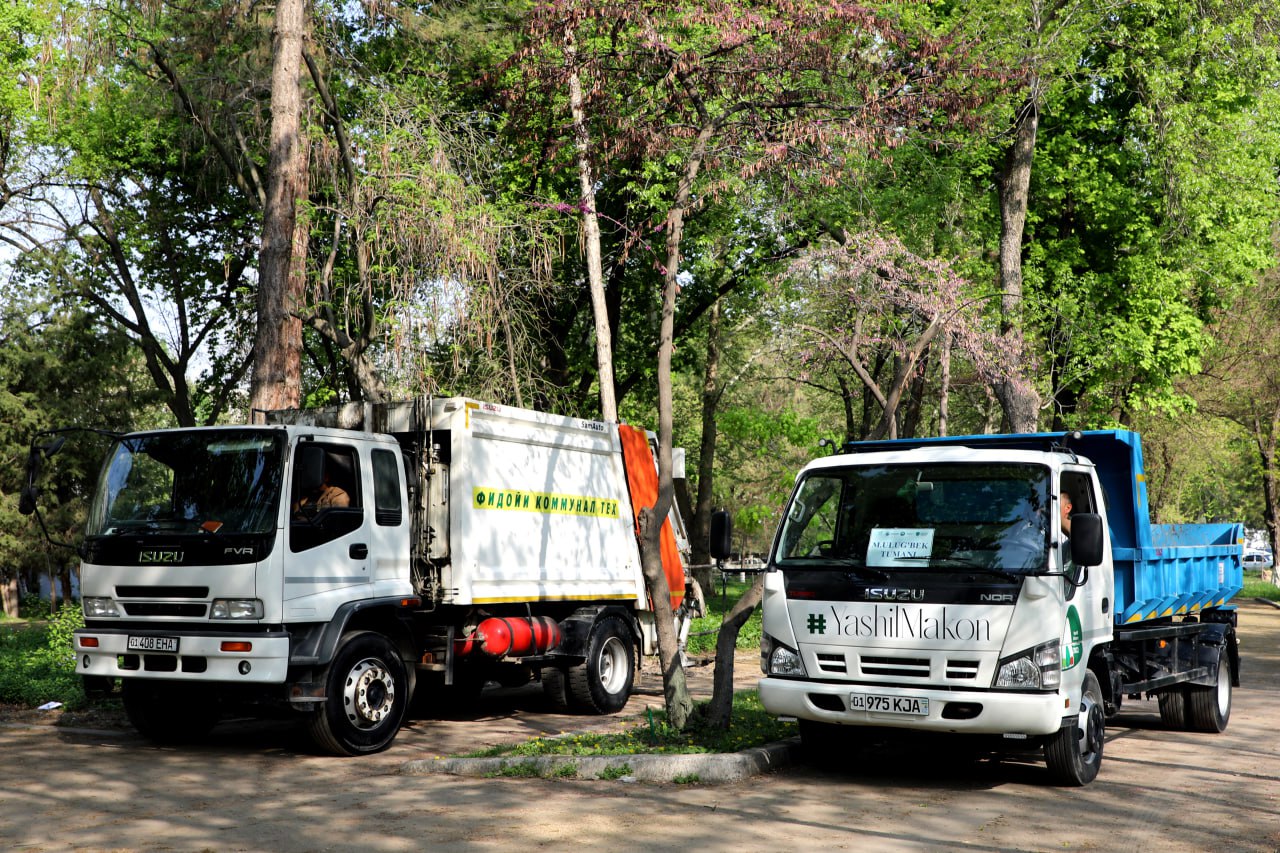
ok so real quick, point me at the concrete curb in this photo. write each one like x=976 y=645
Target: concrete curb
x=714 y=768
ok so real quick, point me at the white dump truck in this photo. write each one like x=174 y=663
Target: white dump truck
x=338 y=561
x=1003 y=587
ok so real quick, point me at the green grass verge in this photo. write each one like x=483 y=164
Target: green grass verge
x=1256 y=587
x=750 y=725
x=702 y=635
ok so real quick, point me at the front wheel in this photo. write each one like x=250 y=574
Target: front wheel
x=366 y=694
x=1074 y=753
x=169 y=712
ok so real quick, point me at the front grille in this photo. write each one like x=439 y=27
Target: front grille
x=162 y=592
x=163 y=608
x=881 y=667
x=834 y=664
x=962 y=669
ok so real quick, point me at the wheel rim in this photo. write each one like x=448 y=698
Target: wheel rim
x=1090 y=729
x=1224 y=693
x=369 y=693
x=613 y=665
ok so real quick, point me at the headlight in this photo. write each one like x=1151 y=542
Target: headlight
x=785 y=661
x=97 y=608
x=1035 y=669
x=236 y=608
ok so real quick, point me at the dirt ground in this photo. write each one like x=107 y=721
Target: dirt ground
x=255 y=786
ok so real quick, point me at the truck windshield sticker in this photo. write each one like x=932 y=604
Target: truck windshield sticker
x=898 y=546
x=520 y=500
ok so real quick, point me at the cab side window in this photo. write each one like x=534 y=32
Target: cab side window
x=325 y=500
x=387 y=510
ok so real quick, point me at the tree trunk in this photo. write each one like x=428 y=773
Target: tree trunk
x=701 y=526
x=720 y=708
x=277 y=368
x=675 y=687
x=1018 y=397
x=591 y=236
x=9 y=596
x=944 y=392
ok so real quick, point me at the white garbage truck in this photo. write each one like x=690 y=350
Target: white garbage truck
x=1006 y=587
x=337 y=561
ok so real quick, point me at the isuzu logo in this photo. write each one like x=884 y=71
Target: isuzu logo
x=894 y=594
x=161 y=556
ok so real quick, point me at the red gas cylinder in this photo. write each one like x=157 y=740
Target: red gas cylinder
x=511 y=636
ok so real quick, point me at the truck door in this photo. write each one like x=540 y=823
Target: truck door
x=1093 y=601
x=328 y=522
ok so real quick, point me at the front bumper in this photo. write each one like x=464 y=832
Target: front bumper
x=983 y=712
x=200 y=656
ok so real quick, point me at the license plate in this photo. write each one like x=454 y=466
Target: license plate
x=153 y=644
x=875 y=703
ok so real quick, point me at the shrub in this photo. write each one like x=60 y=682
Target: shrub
x=38 y=664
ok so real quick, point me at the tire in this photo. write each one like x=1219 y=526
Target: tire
x=1173 y=708
x=169 y=712
x=1209 y=708
x=1074 y=753
x=602 y=683
x=367 y=693
x=555 y=686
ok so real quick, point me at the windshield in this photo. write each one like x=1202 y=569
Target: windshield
x=895 y=517
x=210 y=481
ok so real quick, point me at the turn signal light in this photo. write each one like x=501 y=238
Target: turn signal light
x=239 y=646
x=88 y=642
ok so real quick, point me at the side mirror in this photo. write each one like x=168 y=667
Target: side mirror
x=27 y=500
x=1086 y=539
x=721 y=543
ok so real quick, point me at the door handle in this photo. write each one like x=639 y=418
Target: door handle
x=358 y=552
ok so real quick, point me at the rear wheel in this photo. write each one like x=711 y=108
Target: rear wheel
x=366 y=692
x=1209 y=708
x=169 y=712
x=1173 y=708
x=1074 y=753
x=602 y=683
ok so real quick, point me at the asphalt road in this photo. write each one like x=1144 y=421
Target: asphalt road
x=257 y=787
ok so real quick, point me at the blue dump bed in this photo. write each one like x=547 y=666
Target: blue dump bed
x=1160 y=569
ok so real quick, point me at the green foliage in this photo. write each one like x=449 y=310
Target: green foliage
x=37 y=663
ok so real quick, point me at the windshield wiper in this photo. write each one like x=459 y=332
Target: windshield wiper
x=974 y=565
x=859 y=568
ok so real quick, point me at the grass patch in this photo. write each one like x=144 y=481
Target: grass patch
x=702 y=634
x=616 y=772
x=750 y=726
x=687 y=779
x=1256 y=587
x=517 y=770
